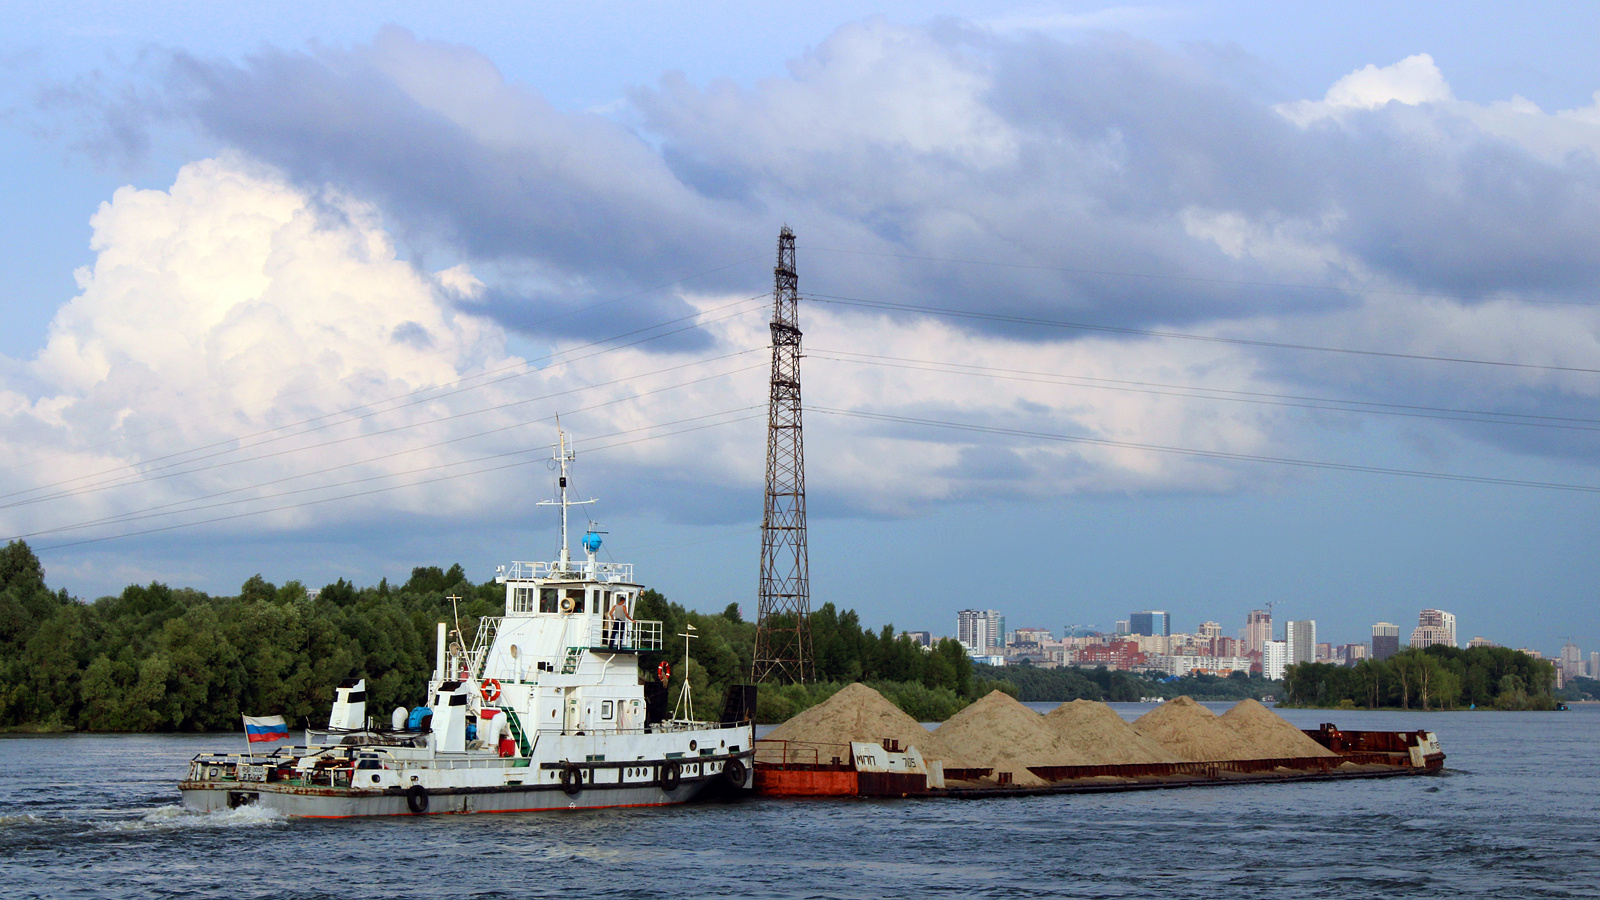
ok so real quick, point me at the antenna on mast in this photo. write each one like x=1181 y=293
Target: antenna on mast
x=563 y=455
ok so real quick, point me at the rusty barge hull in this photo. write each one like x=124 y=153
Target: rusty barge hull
x=1360 y=755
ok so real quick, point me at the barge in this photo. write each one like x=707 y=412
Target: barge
x=888 y=769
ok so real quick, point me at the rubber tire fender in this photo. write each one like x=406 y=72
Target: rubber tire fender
x=734 y=771
x=571 y=780
x=417 y=799
x=670 y=776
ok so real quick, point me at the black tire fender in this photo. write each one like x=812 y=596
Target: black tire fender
x=417 y=799
x=670 y=776
x=734 y=771
x=571 y=779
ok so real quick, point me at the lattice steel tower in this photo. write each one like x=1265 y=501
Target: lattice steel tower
x=783 y=634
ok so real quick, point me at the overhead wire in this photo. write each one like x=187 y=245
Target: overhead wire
x=454 y=346
x=1196 y=279
x=837 y=299
x=140 y=473
x=169 y=509
x=435 y=480
x=1528 y=420
x=1209 y=454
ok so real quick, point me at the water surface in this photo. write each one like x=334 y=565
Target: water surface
x=97 y=816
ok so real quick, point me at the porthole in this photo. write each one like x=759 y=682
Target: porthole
x=693 y=745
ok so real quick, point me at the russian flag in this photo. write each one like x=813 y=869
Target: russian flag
x=265 y=728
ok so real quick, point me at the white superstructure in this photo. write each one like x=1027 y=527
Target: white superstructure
x=546 y=708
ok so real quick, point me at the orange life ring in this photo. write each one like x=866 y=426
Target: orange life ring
x=664 y=671
x=490 y=690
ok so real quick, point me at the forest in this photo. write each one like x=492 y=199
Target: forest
x=1437 y=677
x=156 y=658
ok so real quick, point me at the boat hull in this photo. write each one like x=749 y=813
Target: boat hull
x=586 y=792
x=334 y=803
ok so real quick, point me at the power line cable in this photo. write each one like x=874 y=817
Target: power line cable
x=1194 y=279
x=242 y=515
x=454 y=346
x=1253 y=397
x=167 y=509
x=1178 y=335
x=1209 y=454
x=135 y=474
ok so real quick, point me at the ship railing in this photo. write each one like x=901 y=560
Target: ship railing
x=622 y=634
x=801 y=754
x=575 y=570
x=481 y=642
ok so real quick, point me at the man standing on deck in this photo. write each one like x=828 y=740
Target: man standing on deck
x=616 y=622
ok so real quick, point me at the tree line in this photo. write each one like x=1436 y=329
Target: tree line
x=157 y=658
x=1437 y=677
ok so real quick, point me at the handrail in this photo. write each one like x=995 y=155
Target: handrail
x=624 y=634
x=575 y=570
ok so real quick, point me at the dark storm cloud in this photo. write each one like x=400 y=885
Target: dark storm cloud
x=926 y=143
x=585 y=207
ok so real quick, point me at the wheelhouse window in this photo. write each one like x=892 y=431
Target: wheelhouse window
x=548 y=598
x=522 y=599
x=576 y=596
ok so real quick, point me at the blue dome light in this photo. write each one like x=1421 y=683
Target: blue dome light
x=591 y=542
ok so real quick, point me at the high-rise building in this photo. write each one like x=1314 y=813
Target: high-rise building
x=982 y=631
x=1274 y=659
x=1571 y=661
x=1210 y=630
x=1385 y=640
x=1350 y=654
x=1300 y=639
x=1121 y=627
x=1150 y=622
x=1434 y=626
x=1594 y=664
x=1257 y=630
x=1035 y=636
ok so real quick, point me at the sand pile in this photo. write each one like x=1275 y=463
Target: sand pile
x=999 y=732
x=857 y=713
x=1101 y=737
x=1191 y=732
x=1269 y=735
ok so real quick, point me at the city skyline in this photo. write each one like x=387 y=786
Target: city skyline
x=1144 y=639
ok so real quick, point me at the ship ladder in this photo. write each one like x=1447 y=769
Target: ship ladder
x=519 y=733
x=574 y=655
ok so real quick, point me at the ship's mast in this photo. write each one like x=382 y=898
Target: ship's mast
x=563 y=455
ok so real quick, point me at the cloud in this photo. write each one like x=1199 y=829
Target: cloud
x=1101 y=181
x=1411 y=81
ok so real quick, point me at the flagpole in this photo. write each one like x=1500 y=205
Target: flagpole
x=248 y=752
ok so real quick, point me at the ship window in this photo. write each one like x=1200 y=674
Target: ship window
x=576 y=596
x=605 y=709
x=522 y=600
x=547 y=600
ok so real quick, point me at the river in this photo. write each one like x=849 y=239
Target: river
x=1515 y=815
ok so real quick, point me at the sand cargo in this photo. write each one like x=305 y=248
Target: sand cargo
x=858 y=744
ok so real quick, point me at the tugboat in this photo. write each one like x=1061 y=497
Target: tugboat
x=546 y=710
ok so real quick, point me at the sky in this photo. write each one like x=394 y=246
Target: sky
x=1185 y=306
